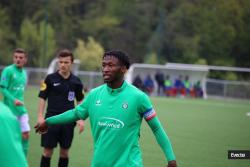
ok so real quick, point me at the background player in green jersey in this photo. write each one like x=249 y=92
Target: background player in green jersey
x=13 y=82
x=116 y=110
x=11 y=154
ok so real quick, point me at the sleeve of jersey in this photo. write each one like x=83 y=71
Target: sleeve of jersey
x=7 y=94
x=162 y=138
x=44 y=88
x=79 y=112
x=149 y=115
x=3 y=84
x=66 y=117
x=79 y=92
x=146 y=108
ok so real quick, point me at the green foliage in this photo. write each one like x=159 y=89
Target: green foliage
x=65 y=17
x=214 y=32
x=231 y=76
x=201 y=61
x=218 y=32
x=6 y=37
x=188 y=48
x=242 y=42
x=93 y=25
x=48 y=42
x=224 y=75
x=29 y=40
x=209 y=32
x=40 y=44
x=124 y=28
x=90 y=54
x=151 y=58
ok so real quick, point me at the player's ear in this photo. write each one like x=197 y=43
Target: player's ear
x=123 y=69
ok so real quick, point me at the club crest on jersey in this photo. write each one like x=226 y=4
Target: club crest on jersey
x=98 y=102
x=71 y=96
x=125 y=105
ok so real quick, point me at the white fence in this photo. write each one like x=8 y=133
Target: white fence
x=90 y=79
x=213 y=88
x=228 y=89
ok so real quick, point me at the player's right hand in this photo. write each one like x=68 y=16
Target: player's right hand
x=41 y=128
x=172 y=164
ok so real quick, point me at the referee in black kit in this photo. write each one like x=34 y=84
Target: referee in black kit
x=61 y=89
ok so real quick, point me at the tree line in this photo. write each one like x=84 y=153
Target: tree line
x=214 y=32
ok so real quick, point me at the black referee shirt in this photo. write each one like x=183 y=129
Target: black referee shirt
x=61 y=92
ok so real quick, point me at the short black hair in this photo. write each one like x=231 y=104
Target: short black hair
x=66 y=53
x=120 y=55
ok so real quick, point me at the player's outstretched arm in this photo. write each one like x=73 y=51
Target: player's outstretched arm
x=163 y=141
x=66 y=117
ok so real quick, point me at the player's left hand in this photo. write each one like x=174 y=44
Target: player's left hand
x=172 y=164
x=80 y=124
x=18 y=102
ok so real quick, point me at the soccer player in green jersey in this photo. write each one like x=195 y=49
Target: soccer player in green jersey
x=12 y=84
x=10 y=140
x=116 y=110
x=11 y=154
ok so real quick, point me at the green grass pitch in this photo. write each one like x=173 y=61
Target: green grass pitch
x=201 y=131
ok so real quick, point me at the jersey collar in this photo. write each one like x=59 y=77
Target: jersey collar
x=57 y=72
x=17 y=69
x=117 y=90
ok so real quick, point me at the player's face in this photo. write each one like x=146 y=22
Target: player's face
x=112 y=71
x=64 y=64
x=19 y=59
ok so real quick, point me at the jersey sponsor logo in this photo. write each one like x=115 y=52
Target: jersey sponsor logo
x=71 y=96
x=149 y=114
x=111 y=123
x=98 y=102
x=43 y=86
x=17 y=88
x=125 y=105
x=56 y=84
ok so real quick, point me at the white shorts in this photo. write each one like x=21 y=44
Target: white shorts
x=24 y=122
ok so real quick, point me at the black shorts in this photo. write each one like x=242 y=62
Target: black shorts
x=62 y=134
